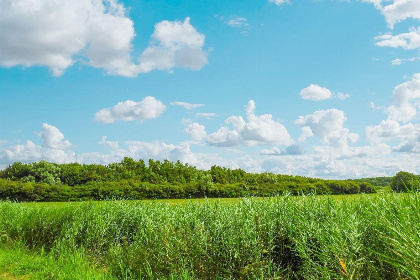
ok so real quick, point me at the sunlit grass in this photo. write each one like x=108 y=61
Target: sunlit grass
x=305 y=237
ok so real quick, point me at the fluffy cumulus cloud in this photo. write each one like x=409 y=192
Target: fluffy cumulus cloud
x=187 y=106
x=51 y=33
x=99 y=32
x=328 y=126
x=160 y=151
x=255 y=130
x=405 y=100
x=148 y=108
x=54 y=148
x=324 y=161
x=396 y=11
x=174 y=44
x=111 y=144
x=400 y=10
x=409 y=40
x=53 y=138
x=196 y=131
x=408 y=135
x=353 y=162
x=315 y=92
x=396 y=130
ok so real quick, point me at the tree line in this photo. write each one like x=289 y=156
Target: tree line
x=134 y=179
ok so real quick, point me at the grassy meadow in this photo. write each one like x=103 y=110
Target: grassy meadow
x=363 y=237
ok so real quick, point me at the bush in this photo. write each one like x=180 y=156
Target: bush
x=404 y=182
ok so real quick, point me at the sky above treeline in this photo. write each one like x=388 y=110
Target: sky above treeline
x=320 y=88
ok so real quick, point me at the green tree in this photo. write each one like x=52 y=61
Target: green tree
x=405 y=181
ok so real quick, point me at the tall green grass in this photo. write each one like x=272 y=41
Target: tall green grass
x=278 y=238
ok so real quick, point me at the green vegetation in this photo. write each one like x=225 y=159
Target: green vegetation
x=274 y=238
x=130 y=179
x=405 y=182
x=376 y=181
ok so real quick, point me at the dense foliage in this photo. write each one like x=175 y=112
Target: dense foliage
x=375 y=181
x=405 y=182
x=130 y=179
x=277 y=238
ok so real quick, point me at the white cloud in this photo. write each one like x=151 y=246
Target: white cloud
x=196 y=131
x=328 y=126
x=160 y=151
x=406 y=100
x=315 y=92
x=390 y=130
x=52 y=33
x=256 y=130
x=279 y=2
x=111 y=144
x=400 y=10
x=148 y=108
x=206 y=115
x=57 y=33
x=53 y=148
x=250 y=107
x=31 y=152
x=187 y=106
x=325 y=162
x=53 y=138
x=408 y=41
x=174 y=44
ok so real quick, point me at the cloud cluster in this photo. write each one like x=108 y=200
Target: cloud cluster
x=400 y=10
x=397 y=11
x=405 y=100
x=408 y=41
x=405 y=107
x=328 y=126
x=54 y=148
x=148 y=108
x=51 y=33
x=256 y=130
x=99 y=32
x=196 y=131
x=174 y=44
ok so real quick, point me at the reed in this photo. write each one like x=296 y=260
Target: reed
x=278 y=238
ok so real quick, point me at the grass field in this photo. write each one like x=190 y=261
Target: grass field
x=327 y=237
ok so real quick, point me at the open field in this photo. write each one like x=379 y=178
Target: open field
x=328 y=237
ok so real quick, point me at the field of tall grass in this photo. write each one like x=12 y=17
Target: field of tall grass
x=368 y=237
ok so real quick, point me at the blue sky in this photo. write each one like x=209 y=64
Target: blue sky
x=326 y=88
